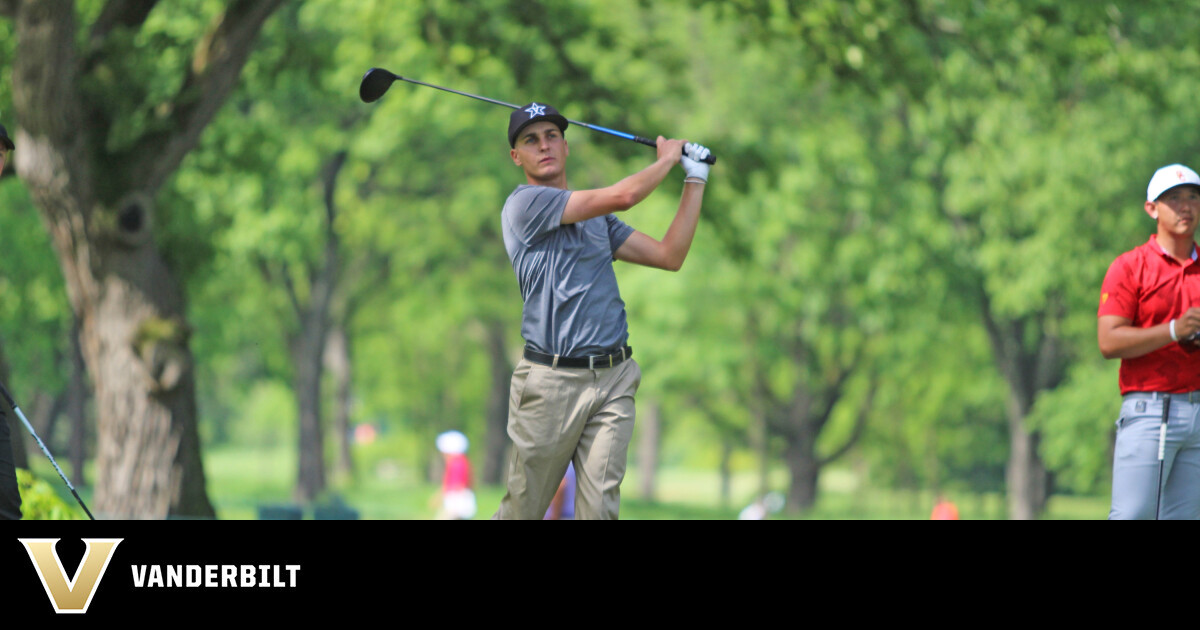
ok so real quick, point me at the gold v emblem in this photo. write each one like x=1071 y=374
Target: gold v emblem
x=74 y=595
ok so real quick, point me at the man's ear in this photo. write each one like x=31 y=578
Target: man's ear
x=513 y=154
x=1152 y=210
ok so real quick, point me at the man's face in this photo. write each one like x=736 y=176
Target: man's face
x=1178 y=210
x=541 y=150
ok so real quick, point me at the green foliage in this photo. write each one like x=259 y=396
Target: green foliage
x=40 y=502
x=267 y=415
x=1079 y=419
x=35 y=317
x=893 y=178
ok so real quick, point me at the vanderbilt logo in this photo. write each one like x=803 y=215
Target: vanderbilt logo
x=74 y=595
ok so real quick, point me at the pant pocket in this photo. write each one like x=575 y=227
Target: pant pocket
x=1137 y=436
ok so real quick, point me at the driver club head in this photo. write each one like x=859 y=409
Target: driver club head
x=374 y=84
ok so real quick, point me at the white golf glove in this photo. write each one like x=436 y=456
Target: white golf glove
x=692 y=164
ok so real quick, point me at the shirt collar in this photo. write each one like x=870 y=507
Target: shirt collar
x=1168 y=254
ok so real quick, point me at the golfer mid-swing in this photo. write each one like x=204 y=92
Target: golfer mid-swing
x=1149 y=315
x=572 y=395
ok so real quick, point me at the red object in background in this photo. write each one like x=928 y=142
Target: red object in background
x=458 y=473
x=944 y=511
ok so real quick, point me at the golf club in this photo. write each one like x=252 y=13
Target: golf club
x=1162 y=445
x=377 y=81
x=28 y=426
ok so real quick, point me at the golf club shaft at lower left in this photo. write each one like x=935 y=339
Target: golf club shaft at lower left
x=46 y=451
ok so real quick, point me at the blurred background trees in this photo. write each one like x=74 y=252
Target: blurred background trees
x=912 y=210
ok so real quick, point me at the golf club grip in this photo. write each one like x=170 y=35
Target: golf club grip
x=711 y=159
x=1162 y=430
x=1162 y=441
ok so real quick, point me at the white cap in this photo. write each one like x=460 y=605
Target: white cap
x=1169 y=177
x=452 y=443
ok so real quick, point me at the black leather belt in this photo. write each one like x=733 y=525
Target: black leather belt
x=614 y=357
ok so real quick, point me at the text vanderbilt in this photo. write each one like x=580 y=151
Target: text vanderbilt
x=215 y=576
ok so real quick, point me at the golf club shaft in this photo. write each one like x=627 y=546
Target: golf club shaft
x=620 y=134
x=1162 y=449
x=29 y=427
x=446 y=89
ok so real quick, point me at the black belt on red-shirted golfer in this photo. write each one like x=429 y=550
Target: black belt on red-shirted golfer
x=609 y=359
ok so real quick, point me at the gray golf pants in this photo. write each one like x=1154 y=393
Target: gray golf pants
x=559 y=415
x=1135 y=459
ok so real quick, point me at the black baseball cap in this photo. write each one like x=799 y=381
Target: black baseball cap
x=529 y=114
x=5 y=140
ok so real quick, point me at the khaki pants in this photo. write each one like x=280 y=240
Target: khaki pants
x=558 y=415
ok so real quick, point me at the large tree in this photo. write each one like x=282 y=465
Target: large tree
x=105 y=117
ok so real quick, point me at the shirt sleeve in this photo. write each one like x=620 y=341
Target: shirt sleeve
x=536 y=211
x=1119 y=292
x=618 y=232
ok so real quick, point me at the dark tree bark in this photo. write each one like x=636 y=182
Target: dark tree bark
x=1028 y=367
x=308 y=343
x=98 y=206
x=800 y=417
x=77 y=397
x=726 y=469
x=650 y=428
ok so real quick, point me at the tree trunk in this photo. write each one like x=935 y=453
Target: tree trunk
x=1027 y=373
x=1026 y=475
x=805 y=470
x=726 y=469
x=337 y=359
x=650 y=422
x=496 y=445
x=135 y=342
x=98 y=208
x=76 y=409
x=308 y=347
x=307 y=353
x=762 y=439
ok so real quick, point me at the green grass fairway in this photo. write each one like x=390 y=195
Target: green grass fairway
x=239 y=481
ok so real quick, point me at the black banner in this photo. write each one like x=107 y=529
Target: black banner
x=232 y=570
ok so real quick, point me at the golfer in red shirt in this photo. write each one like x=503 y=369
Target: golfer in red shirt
x=1149 y=317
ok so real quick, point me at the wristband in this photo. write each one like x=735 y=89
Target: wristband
x=1173 y=337
x=694 y=180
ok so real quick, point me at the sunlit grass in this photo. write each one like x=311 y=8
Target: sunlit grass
x=242 y=480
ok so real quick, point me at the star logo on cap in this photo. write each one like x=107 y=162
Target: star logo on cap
x=536 y=110
x=1179 y=174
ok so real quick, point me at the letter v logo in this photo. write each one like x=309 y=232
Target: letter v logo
x=75 y=595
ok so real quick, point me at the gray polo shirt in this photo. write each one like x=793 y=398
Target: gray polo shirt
x=572 y=305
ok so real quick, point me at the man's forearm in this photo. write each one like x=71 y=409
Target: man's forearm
x=678 y=239
x=639 y=185
x=1130 y=342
